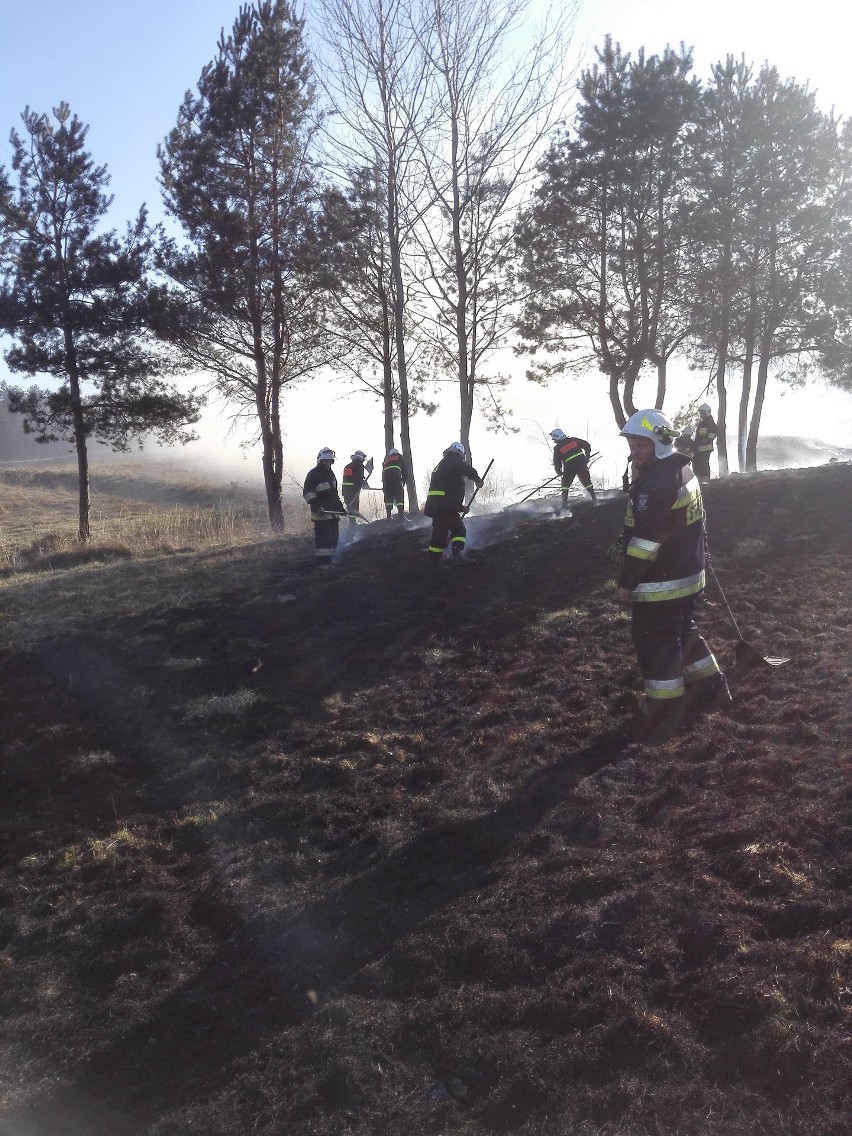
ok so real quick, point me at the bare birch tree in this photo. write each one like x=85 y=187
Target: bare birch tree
x=491 y=107
x=374 y=75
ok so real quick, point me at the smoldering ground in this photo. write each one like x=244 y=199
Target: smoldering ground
x=384 y=859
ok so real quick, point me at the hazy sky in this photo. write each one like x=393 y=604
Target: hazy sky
x=124 y=67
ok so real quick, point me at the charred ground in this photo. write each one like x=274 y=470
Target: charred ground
x=373 y=853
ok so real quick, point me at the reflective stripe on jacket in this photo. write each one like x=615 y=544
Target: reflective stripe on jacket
x=569 y=449
x=353 y=475
x=705 y=436
x=447 y=484
x=320 y=491
x=664 y=534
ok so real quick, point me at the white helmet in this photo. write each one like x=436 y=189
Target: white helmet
x=457 y=448
x=654 y=425
x=359 y=455
x=326 y=455
x=688 y=432
x=705 y=408
x=557 y=435
x=394 y=453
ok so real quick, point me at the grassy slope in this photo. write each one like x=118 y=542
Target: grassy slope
x=375 y=853
x=134 y=508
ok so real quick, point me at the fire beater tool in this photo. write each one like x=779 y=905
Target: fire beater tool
x=746 y=655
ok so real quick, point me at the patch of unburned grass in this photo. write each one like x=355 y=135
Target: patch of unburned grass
x=218 y=705
x=131 y=515
x=201 y=816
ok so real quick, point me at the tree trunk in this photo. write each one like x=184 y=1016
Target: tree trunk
x=84 y=531
x=272 y=483
x=721 y=422
x=83 y=495
x=460 y=276
x=398 y=313
x=615 y=401
x=271 y=476
x=387 y=378
x=742 y=417
x=661 y=384
x=276 y=509
x=630 y=377
x=757 y=409
x=722 y=392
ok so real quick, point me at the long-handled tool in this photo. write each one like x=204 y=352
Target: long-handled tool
x=537 y=489
x=466 y=508
x=591 y=458
x=746 y=655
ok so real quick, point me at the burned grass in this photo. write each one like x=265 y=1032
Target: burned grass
x=376 y=853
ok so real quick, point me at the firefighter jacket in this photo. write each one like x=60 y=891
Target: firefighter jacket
x=320 y=492
x=392 y=474
x=705 y=436
x=568 y=450
x=664 y=546
x=392 y=469
x=446 y=486
x=353 y=479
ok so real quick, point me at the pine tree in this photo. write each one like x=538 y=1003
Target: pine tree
x=600 y=244
x=78 y=303
x=237 y=175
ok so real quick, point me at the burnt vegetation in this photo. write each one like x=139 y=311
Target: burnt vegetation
x=375 y=853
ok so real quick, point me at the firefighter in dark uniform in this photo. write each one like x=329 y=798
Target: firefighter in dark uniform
x=685 y=443
x=320 y=492
x=662 y=572
x=352 y=484
x=445 y=503
x=393 y=483
x=571 y=459
x=705 y=438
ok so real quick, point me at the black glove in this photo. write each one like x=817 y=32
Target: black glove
x=615 y=552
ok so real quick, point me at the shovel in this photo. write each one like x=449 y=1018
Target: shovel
x=746 y=655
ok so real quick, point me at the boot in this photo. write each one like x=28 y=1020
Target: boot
x=711 y=695
x=459 y=558
x=662 y=720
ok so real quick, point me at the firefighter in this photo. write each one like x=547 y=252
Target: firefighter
x=685 y=443
x=705 y=437
x=571 y=459
x=320 y=492
x=662 y=573
x=445 y=503
x=353 y=482
x=393 y=483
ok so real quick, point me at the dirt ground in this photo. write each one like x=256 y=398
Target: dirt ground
x=373 y=852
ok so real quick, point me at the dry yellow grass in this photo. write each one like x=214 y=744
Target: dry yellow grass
x=157 y=542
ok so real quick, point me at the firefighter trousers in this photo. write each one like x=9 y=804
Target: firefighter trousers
x=446 y=524
x=326 y=536
x=670 y=650
x=579 y=469
x=701 y=465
